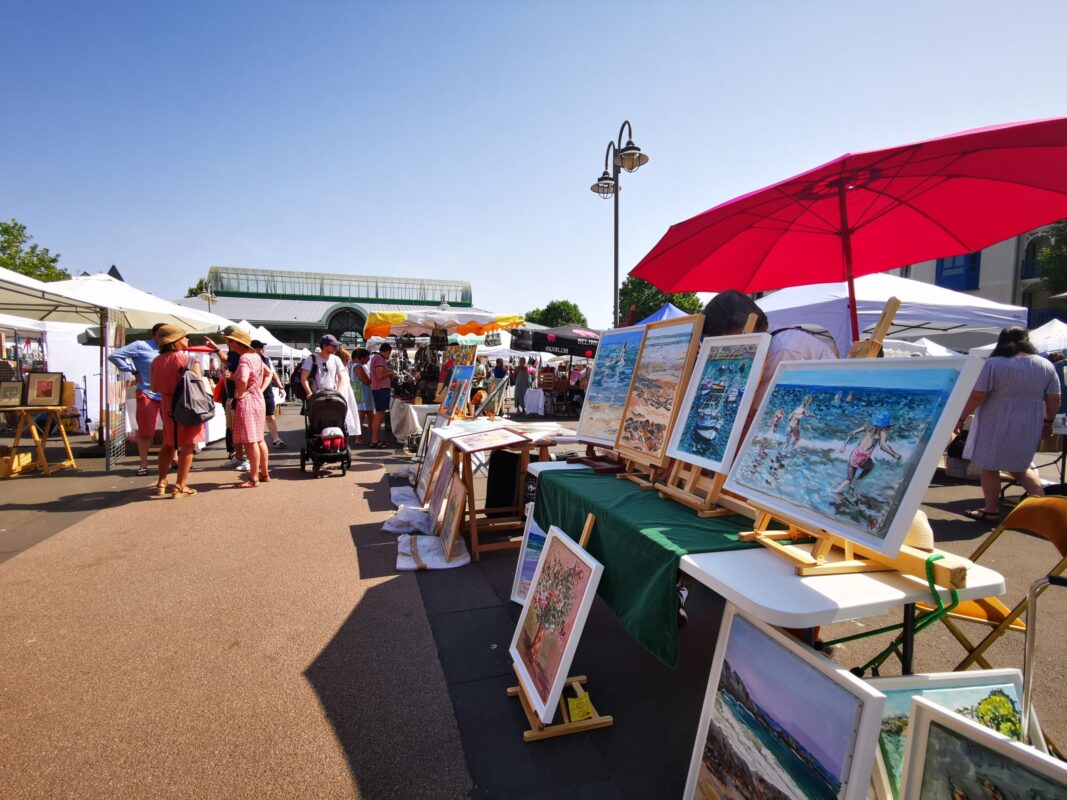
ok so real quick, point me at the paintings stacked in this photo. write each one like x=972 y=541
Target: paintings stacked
x=533 y=542
x=430 y=460
x=552 y=618
x=609 y=385
x=850 y=446
x=458 y=391
x=440 y=489
x=717 y=400
x=453 y=517
x=780 y=721
x=660 y=377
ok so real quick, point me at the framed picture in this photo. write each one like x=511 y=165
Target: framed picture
x=950 y=756
x=44 y=388
x=488 y=440
x=453 y=518
x=609 y=385
x=495 y=397
x=660 y=377
x=717 y=400
x=440 y=488
x=427 y=426
x=11 y=393
x=429 y=459
x=780 y=720
x=552 y=618
x=533 y=542
x=458 y=391
x=991 y=697
x=850 y=446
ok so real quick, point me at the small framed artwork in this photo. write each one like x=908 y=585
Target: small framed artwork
x=609 y=385
x=552 y=618
x=458 y=391
x=440 y=489
x=44 y=388
x=492 y=439
x=11 y=393
x=429 y=424
x=950 y=756
x=780 y=720
x=453 y=518
x=533 y=542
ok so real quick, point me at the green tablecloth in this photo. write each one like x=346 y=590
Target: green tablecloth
x=639 y=538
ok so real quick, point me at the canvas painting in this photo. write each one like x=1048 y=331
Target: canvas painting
x=458 y=391
x=990 y=697
x=717 y=400
x=453 y=517
x=609 y=385
x=533 y=542
x=429 y=461
x=494 y=398
x=552 y=618
x=951 y=757
x=660 y=377
x=781 y=721
x=488 y=440
x=850 y=446
x=10 y=394
x=429 y=424
x=43 y=388
x=440 y=489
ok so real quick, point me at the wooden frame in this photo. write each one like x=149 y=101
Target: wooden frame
x=630 y=339
x=533 y=544
x=497 y=392
x=458 y=392
x=431 y=457
x=450 y=523
x=436 y=504
x=11 y=393
x=770 y=667
x=1020 y=768
x=43 y=389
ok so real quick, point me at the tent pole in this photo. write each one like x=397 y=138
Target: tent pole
x=846 y=251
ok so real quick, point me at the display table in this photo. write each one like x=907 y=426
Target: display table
x=406 y=419
x=17 y=463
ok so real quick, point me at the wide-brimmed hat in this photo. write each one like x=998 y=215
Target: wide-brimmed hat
x=167 y=334
x=239 y=336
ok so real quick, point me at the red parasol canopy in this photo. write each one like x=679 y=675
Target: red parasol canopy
x=869 y=212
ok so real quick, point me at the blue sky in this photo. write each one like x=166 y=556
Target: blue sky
x=460 y=139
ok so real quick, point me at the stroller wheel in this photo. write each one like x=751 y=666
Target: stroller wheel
x=303 y=460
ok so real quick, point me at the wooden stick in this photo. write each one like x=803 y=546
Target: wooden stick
x=587 y=530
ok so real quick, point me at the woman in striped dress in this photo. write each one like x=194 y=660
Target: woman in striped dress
x=250 y=413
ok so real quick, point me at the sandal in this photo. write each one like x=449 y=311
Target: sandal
x=378 y=445
x=250 y=484
x=981 y=515
x=161 y=488
x=264 y=478
x=142 y=472
x=178 y=492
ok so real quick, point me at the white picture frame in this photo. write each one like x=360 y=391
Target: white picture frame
x=424 y=476
x=533 y=544
x=806 y=479
x=543 y=675
x=939 y=735
x=943 y=689
x=803 y=694
x=726 y=396
x=608 y=387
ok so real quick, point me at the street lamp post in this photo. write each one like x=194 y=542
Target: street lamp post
x=629 y=158
x=208 y=297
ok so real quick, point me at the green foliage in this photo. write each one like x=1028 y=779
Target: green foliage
x=999 y=712
x=647 y=298
x=556 y=313
x=200 y=288
x=18 y=255
x=1053 y=260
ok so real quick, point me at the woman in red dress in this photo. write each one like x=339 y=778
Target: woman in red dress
x=166 y=372
x=250 y=413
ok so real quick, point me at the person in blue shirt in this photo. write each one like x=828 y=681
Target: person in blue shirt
x=136 y=358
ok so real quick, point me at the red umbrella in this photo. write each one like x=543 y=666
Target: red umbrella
x=869 y=212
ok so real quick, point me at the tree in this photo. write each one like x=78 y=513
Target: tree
x=556 y=313
x=647 y=298
x=18 y=255
x=201 y=287
x=1053 y=259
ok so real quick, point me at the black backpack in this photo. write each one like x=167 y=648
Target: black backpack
x=193 y=404
x=296 y=386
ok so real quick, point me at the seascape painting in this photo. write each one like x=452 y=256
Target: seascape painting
x=609 y=384
x=533 y=542
x=552 y=619
x=850 y=446
x=459 y=389
x=717 y=400
x=659 y=377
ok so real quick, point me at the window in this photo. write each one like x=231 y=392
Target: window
x=905 y=272
x=959 y=272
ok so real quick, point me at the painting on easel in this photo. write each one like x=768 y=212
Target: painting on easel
x=849 y=447
x=609 y=385
x=659 y=379
x=459 y=390
x=717 y=400
x=552 y=619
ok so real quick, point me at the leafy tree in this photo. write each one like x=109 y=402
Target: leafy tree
x=647 y=298
x=200 y=288
x=18 y=255
x=1053 y=259
x=999 y=712
x=556 y=313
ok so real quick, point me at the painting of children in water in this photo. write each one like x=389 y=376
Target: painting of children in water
x=850 y=447
x=609 y=384
x=717 y=400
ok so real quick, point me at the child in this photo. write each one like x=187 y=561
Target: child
x=792 y=433
x=873 y=434
x=776 y=420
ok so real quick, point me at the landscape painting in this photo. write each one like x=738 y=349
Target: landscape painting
x=850 y=446
x=717 y=400
x=552 y=618
x=659 y=379
x=951 y=757
x=609 y=384
x=533 y=542
x=459 y=390
x=781 y=722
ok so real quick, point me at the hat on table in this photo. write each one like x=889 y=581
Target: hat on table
x=166 y=334
x=239 y=336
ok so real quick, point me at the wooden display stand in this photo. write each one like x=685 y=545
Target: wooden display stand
x=539 y=730
x=607 y=464
x=17 y=463
x=640 y=471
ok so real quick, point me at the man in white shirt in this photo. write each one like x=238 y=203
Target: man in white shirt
x=329 y=372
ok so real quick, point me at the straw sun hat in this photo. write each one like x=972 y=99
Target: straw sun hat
x=166 y=334
x=239 y=336
x=920 y=534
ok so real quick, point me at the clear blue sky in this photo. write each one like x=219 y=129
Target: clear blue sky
x=459 y=139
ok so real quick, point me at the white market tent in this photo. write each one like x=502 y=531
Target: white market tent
x=898 y=348
x=1050 y=336
x=34 y=299
x=924 y=308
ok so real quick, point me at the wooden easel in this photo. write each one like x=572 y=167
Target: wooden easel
x=17 y=463
x=539 y=730
x=640 y=471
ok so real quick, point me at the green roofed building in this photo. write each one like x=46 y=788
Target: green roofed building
x=299 y=307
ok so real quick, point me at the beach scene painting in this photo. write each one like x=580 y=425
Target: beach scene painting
x=660 y=377
x=533 y=542
x=609 y=385
x=992 y=698
x=951 y=757
x=552 y=618
x=850 y=446
x=458 y=392
x=717 y=400
x=781 y=722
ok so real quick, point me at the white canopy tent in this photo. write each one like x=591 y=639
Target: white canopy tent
x=33 y=299
x=898 y=348
x=1050 y=336
x=924 y=308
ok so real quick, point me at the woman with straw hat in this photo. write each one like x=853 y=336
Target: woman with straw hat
x=167 y=369
x=250 y=410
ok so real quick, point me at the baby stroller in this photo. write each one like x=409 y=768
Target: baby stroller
x=325 y=409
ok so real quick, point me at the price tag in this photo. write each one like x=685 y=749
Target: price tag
x=580 y=708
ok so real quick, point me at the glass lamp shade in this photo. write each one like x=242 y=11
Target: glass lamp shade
x=605 y=186
x=630 y=158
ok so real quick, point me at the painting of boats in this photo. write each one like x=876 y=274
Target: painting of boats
x=609 y=384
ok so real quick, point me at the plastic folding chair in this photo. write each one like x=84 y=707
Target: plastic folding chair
x=1044 y=516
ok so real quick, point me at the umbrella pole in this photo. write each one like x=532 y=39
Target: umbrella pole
x=846 y=252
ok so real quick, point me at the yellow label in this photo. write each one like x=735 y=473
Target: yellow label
x=580 y=707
